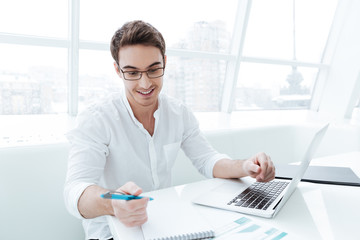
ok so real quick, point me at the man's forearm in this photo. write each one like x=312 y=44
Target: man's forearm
x=227 y=168
x=91 y=205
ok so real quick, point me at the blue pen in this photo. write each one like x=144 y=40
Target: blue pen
x=121 y=196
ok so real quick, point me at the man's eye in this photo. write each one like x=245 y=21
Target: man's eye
x=133 y=73
x=153 y=70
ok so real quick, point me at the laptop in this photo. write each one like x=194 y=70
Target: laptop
x=247 y=196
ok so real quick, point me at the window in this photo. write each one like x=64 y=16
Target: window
x=97 y=76
x=33 y=60
x=282 y=53
x=178 y=21
x=35 y=17
x=33 y=80
x=270 y=54
x=271 y=29
x=268 y=86
x=197 y=82
x=196 y=44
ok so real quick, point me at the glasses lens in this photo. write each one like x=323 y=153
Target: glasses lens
x=156 y=72
x=132 y=75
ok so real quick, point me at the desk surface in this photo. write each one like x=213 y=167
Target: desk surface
x=314 y=211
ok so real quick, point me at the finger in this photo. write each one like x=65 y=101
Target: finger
x=130 y=215
x=124 y=209
x=136 y=204
x=135 y=220
x=136 y=214
x=265 y=165
x=131 y=188
x=135 y=223
x=253 y=168
x=139 y=214
x=271 y=174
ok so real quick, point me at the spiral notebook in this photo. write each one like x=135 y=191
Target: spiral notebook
x=170 y=217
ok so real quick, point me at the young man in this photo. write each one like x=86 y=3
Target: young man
x=129 y=141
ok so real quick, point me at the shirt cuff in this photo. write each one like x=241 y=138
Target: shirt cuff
x=72 y=194
x=211 y=163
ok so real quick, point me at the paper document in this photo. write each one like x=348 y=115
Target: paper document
x=170 y=217
x=244 y=228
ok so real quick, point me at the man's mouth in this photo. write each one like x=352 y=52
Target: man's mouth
x=146 y=92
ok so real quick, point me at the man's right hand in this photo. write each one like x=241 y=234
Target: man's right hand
x=133 y=212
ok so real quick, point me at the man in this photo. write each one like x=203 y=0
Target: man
x=129 y=141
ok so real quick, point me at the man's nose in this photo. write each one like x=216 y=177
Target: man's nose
x=144 y=81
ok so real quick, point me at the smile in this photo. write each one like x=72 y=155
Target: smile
x=147 y=92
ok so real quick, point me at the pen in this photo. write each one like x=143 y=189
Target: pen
x=121 y=196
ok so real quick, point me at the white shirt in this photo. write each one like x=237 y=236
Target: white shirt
x=110 y=147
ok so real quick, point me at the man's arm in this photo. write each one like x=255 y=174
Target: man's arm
x=259 y=166
x=91 y=205
x=130 y=213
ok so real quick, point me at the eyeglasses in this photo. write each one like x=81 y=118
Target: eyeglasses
x=136 y=75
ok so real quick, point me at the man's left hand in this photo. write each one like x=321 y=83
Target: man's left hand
x=260 y=167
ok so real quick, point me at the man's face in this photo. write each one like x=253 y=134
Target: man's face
x=145 y=91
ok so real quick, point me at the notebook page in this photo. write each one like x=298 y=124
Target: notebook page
x=170 y=216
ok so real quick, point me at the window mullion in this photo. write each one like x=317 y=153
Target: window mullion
x=73 y=57
x=232 y=70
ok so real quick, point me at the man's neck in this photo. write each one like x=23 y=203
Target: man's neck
x=143 y=112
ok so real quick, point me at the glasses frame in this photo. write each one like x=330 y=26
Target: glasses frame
x=141 y=73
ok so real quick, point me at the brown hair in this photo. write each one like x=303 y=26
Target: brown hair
x=136 y=32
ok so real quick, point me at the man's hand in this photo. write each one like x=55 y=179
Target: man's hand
x=260 y=167
x=131 y=213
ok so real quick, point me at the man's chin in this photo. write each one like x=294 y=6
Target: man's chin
x=146 y=102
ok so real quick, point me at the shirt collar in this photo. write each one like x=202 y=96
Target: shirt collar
x=130 y=111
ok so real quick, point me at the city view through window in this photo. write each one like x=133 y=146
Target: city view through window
x=34 y=79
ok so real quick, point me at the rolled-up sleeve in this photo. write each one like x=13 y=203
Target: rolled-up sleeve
x=87 y=157
x=197 y=148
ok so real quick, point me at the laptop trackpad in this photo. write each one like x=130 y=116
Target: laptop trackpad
x=230 y=187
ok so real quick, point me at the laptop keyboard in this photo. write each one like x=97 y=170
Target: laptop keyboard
x=259 y=195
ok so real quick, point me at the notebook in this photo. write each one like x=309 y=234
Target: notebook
x=320 y=174
x=250 y=197
x=170 y=217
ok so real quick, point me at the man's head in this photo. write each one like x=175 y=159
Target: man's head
x=136 y=32
x=139 y=53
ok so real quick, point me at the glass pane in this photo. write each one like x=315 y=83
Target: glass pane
x=35 y=17
x=313 y=23
x=265 y=86
x=209 y=23
x=97 y=77
x=196 y=82
x=270 y=29
x=33 y=80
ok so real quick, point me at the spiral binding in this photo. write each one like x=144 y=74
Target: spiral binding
x=189 y=236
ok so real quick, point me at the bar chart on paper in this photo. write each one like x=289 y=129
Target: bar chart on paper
x=245 y=228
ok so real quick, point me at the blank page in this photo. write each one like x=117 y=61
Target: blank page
x=170 y=216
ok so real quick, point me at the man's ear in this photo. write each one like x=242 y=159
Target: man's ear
x=165 y=59
x=117 y=69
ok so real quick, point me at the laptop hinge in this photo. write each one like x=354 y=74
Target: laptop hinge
x=277 y=204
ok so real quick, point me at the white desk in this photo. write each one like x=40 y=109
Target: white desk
x=314 y=211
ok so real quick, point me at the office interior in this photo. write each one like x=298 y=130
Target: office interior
x=267 y=73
